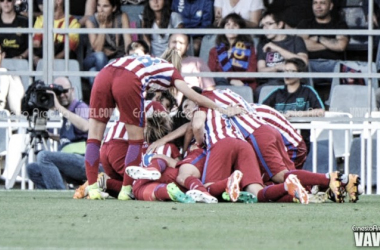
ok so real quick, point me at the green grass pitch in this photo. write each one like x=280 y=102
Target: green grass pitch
x=48 y=219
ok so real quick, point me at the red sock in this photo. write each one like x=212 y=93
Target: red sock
x=271 y=193
x=286 y=198
x=217 y=188
x=92 y=160
x=192 y=182
x=143 y=190
x=132 y=158
x=310 y=179
x=113 y=187
x=159 y=164
x=161 y=193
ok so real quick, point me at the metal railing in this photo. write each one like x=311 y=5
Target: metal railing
x=48 y=72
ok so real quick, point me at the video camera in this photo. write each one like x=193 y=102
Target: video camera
x=37 y=99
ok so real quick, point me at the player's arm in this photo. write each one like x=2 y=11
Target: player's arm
x=198 y=125
x=170 y=161
x=169 y=137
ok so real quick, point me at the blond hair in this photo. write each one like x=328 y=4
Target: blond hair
x=172 y=56
x=158 y=125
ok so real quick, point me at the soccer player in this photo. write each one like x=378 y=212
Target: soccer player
x=122 y=83
x=295 y=145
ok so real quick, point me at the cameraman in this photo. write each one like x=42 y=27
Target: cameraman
x=51 y=168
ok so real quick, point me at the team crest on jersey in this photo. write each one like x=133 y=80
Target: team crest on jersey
x=146 y=159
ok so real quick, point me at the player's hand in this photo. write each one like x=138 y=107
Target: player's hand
x=235 y=110
x=95 y=193
x=156 y=144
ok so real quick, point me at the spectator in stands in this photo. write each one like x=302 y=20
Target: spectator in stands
x=59 y=39
x=52 y=167
x=190 y=64
x=324 y=50
x=249 y=10
x=106 y=46
x=195 y=14
x=14 y=45
x=233 y=53
x=291 y=12
x=11 y=90
x=296 y=99
x=274 y=49
x=157 y=14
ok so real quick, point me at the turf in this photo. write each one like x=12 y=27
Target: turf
x=48 y=219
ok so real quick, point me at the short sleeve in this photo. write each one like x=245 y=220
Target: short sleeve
x=175 y=19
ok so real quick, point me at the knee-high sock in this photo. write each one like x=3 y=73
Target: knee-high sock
x=217 y=188
x=161 y=193
x=132 y=158
x=143 y=190
x=192 y=182
x=159 y=164
x=92 y=160
x=114 y=187
x=310 y=179
x=271 y=193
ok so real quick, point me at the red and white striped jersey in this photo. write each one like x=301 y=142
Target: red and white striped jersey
x=217 y=125
x=169 y=149
x=153 y=72
x=279 y=122
x=247 y=123
x=117 y=131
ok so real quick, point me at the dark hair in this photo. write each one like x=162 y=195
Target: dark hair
x=299 y=63
x=114 y=3
x=149 y=16
x=179 y=119
x=150 y=94
x=142 y=43
x=275 y=17
x=167 y=95
x=236 y=18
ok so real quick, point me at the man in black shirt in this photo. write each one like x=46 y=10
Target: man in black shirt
x=324 y=50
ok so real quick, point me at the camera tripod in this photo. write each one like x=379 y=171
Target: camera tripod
x=37 y=142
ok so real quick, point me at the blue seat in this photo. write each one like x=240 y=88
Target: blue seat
x=17 y=65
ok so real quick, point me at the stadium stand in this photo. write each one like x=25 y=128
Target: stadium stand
x=19 y=65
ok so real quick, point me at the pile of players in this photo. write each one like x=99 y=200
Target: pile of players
x=222 y=148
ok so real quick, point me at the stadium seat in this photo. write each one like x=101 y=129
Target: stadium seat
x=355 y=18
x=59 y=64
x=208 y=42
x=351 y=99
x=17 y=65
x=244 y=91
x=266 y=91
x=355 y=65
